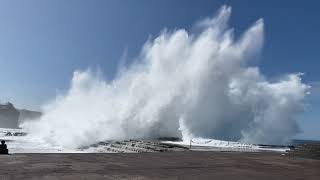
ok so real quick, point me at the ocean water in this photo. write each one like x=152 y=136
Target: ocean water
x=297 y=142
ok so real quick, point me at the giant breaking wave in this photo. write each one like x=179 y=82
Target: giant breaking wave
x=183 y=84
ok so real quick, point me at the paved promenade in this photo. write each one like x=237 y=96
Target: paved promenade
x=169 y=165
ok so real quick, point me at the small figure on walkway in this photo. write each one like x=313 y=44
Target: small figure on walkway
x=3 y=147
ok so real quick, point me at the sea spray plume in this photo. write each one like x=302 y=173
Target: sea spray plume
x=190 y=85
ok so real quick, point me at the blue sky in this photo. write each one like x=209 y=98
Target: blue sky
x=42 y=42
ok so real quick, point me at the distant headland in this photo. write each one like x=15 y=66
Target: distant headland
x=11 y=117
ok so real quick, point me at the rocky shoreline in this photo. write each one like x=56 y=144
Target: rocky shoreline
x=310 y=151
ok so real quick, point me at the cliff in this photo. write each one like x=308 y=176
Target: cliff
x=9 y=116
x=26 y=115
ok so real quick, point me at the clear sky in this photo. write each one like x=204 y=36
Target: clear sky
x=42 y=42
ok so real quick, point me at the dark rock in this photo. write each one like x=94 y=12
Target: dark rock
x=310 y=150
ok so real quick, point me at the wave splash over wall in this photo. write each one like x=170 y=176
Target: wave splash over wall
x=183 y=85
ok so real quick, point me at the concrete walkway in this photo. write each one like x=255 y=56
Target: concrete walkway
x=169 y=165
